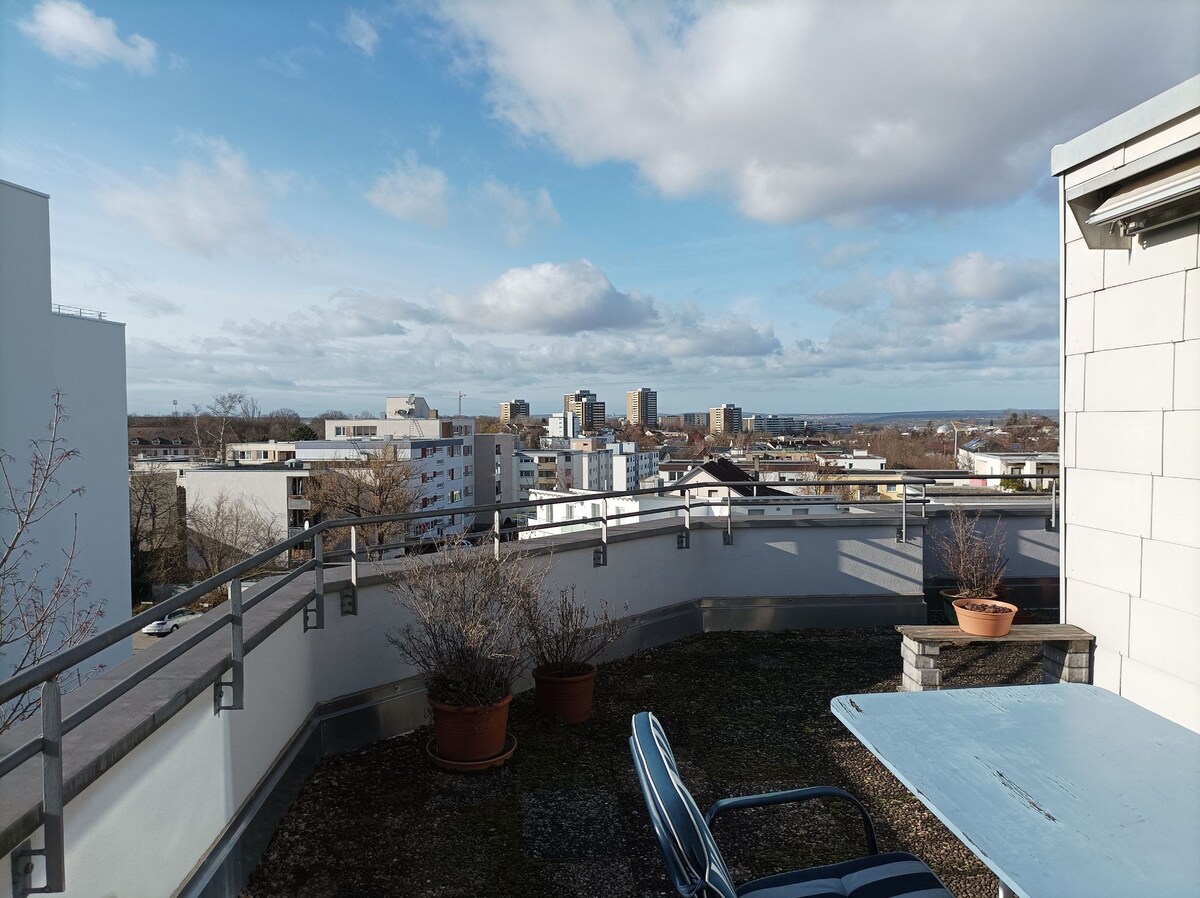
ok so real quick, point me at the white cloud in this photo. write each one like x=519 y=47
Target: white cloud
x=71 y=32
x=411 y=191
x=830 y=107
x=211 y=205
x=357 y=31
x=520 y=212
x=976 y=313
x=550 y=298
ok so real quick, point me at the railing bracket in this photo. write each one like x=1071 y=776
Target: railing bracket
x=349 y=600
x=727 y=537
x=683 y=539
x=23 y=868
x=600 y=556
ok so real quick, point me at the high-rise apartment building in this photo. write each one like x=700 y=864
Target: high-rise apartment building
x=726 y=418
x=585 y=405
x=509 y=411
x=641 y=407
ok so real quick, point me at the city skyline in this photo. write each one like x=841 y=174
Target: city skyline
x=802 y=206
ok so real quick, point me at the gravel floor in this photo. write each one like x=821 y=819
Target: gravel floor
x=745 y=712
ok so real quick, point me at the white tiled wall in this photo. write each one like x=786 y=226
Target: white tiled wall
x=1131 y=421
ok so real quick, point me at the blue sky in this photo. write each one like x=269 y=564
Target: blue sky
x=791 y=206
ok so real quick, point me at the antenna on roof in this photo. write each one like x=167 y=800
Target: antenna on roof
x=461 y=394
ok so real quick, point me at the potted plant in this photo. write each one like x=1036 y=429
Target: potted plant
x=976 y=562
x=565 y=635
x=467 y=635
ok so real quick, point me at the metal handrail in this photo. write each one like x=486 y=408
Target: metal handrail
x=68 y=659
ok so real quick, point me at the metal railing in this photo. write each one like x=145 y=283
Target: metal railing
x=78 y=312
x=228 y=693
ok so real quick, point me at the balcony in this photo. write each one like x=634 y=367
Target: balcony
x=295 y=668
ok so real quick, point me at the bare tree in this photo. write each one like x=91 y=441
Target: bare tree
x=213 y=422
x=38 y=617
x=377 y=483
x=157 y=530
x=226 y=530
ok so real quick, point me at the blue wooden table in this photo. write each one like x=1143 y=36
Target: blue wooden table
x=1060 y=790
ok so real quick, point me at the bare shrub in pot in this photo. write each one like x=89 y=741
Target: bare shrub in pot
x=975 y=561
x=565 y=636
x=468 y=633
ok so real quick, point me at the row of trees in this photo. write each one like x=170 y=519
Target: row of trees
x=237 y=417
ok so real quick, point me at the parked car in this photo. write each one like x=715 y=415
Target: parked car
x=171 y=622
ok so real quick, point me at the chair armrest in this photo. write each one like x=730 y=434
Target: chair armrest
x=793 y=795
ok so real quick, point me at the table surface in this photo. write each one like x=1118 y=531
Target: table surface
x=1063 y=789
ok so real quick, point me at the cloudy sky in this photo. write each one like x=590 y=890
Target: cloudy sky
x=811 y=205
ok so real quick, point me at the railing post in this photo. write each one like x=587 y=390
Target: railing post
x=236 y=682
x=350 y=593
x=902 y=535
x=1053 y=504
x=496 y=535
x=314 y=616
x=600 y=554
x=53 y=852
x=924 y=499
x=728 y=535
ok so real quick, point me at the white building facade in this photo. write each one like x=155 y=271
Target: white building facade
x=44 y=347
x=1130 y=308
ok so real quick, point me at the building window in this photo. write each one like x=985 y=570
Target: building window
x=339 y=430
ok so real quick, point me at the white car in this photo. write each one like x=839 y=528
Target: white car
x=171 y=622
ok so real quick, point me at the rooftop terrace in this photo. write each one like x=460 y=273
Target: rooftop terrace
x=745 y=712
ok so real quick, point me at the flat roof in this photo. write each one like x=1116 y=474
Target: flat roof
x=1170 y=104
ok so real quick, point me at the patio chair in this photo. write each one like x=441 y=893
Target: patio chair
x=694 y=863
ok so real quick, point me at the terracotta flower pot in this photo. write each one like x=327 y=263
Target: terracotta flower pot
x=985 y=623
x=470 y=734
x=569 y=698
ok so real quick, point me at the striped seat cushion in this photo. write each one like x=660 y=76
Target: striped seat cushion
x=895 y=875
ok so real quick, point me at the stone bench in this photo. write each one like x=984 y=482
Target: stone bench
x=1066 y=652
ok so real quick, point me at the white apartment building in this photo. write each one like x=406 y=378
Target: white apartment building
x=1130 y=308
x=1025 y=465
x=271 y=452
x=43 y=347
x=775 y=424
x=564 y=426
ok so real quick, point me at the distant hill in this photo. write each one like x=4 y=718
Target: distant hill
x=939 y=416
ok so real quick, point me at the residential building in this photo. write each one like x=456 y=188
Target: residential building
x=46 y=347
x=269 y=452
x=563 y=426
x=493 y=469
x=410 y=406
x=1026 y=466
x=696 y=419
x=631 y=467
x=585 y=405
x=775 y=424
x=162 y=444
x=1130 y=308
x=510 y=411
x=725 y=419
x=641 y=407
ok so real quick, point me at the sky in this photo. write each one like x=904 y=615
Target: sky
x=802 y=206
